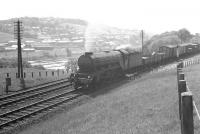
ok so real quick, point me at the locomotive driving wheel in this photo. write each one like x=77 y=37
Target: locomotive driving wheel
x=75 y=85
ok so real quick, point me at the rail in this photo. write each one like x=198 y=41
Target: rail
x=54 y=94
x=33 y=89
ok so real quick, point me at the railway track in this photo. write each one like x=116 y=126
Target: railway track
x=24 y=104
x=32 y=92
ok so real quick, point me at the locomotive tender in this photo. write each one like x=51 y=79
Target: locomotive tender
x=95 y=68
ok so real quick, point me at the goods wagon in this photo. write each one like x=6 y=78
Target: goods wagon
x=192 y=48
x=146 y=60
x=134 y=60
x=181 y=49
x=169 y=50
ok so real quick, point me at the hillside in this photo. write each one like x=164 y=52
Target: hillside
x=62 y=32
x=33 y=27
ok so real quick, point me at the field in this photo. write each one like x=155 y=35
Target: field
x=43 y=77
x=148 y=105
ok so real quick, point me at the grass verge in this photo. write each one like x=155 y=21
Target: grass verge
x=147 y=105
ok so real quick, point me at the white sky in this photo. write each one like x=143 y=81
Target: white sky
x=153 y=16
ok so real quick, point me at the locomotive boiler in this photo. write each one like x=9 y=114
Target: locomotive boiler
x=95 y=68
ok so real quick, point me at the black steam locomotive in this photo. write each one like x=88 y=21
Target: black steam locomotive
x=95 y=68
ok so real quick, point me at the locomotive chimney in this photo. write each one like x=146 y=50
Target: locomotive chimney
x=88 y=53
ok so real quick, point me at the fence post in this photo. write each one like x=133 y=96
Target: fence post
x=179 y=70
x=39 y=74
x=187 y=123
x=58 y=72
x=181 y=88
x=24 y=74
x=32 y=74
x=46 y=73
x=180 y=65
x=181 y=76
x=52 y=73
x=8 y=83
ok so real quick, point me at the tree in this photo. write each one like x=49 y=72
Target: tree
x=184 y=35
x=69 y=52
x=72 y=65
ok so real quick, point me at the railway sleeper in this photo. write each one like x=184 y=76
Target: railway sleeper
x=4 y=119
x=41 y=105
x=30 y=110
x=12 y=125
x=46 y=103
x=3 y=107
x=52 y=108
x=62 y=97
x=19 y=114
x=13 y=116
x=9 y=118
x=7 y=128
x=35 y=108
x=24 y=112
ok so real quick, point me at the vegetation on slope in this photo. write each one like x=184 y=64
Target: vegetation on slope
x=170 y=38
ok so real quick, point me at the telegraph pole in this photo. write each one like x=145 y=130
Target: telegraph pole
x=18 y=33
x=142 y=36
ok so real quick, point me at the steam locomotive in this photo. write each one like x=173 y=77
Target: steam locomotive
x=95 y=68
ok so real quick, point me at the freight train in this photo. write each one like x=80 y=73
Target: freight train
x=95 y=68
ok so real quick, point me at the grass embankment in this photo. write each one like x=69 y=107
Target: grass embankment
x=148 y=105
x=29 y=80
x=192 y=75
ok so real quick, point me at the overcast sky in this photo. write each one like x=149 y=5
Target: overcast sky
x=153 y=16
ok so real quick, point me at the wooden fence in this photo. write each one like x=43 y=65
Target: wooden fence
x=35 y=74
x=190 y=62
x=31 y=78
x=186 y=102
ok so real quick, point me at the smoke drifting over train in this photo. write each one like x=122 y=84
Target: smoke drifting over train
x=92 y=36
x=129 y=47
x=103 y=38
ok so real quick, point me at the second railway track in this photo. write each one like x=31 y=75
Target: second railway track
x=32 y=92
x=22 y=105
